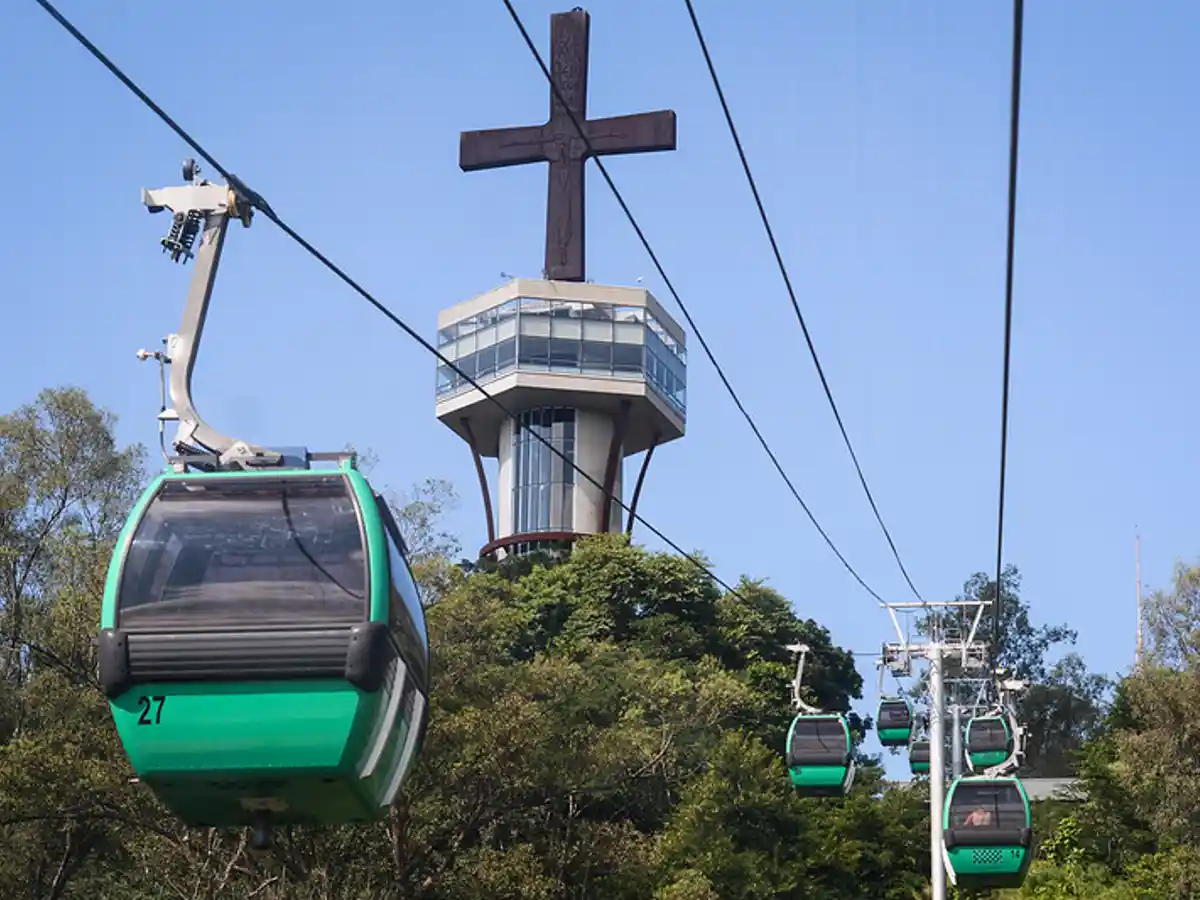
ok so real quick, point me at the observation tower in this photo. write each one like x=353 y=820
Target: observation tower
x=600 y=372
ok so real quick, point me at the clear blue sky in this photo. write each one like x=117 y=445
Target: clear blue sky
x=878 y=132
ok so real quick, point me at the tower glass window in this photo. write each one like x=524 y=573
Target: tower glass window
x=543 y=483
x=568 y=336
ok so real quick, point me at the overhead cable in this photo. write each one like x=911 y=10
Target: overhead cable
x=1013 y=145
x=787 y=283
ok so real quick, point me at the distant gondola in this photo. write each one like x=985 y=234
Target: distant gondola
x=918 y=757
x=894 y=722
x=989 y=741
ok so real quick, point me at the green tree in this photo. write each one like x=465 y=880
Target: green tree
x=1158 y=750
x=64 y=489
x=1172 y=620
x=1137 y=835
x=1158 y=762
x=1062 y=713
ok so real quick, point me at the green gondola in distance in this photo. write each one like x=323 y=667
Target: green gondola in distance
x=820 y=754
x=263 y=647
x=989 y=741
x=987 y=832
x=894 y=722
x=918 y=757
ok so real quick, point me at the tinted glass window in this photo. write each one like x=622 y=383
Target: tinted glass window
x=543 y=484
x=986 y=734
x=564 y=353
x=506 y=353
x=597 y=356
x=246 y=551
x=919 y=752
x=403 y=581
x=534 y=351
x=565 y=336
x=407 y=618
x=993 y=805
x=627 y=357
x=818 y=742
x=894 y=715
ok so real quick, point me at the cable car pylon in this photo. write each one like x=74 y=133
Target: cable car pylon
x=949 y=655
x=987 y=822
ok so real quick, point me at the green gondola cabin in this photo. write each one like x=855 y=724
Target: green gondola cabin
x=989 y=741
x=820 y=754
x=987 y=833
x=263 y=647
x=894 y=722
x=918 y=757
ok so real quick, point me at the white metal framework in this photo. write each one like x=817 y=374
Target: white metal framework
x=956 y=656
x=801 y=651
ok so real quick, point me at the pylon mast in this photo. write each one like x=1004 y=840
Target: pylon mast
x=955 y=655
x=1137 y=551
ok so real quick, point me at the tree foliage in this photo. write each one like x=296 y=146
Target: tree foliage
x=1137 y=835
x=1172 y=620
x=604 y=723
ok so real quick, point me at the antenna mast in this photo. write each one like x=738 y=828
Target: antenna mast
x=1137 y=550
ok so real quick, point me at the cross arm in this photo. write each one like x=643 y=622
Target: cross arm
x=499 y=147
x=639 y=133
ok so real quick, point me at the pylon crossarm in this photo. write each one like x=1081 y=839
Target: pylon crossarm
x=896 y=624
x=974 y=629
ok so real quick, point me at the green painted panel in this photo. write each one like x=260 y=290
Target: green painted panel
x=817 y=776
x=310 y=799
x=983 y=867
x=990 y=758
x=242 y=727
x=380 y=782
x=894 y=737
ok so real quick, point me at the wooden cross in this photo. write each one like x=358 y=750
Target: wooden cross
x=559 y=143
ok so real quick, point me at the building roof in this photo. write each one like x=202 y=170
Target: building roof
x=1067 y=789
